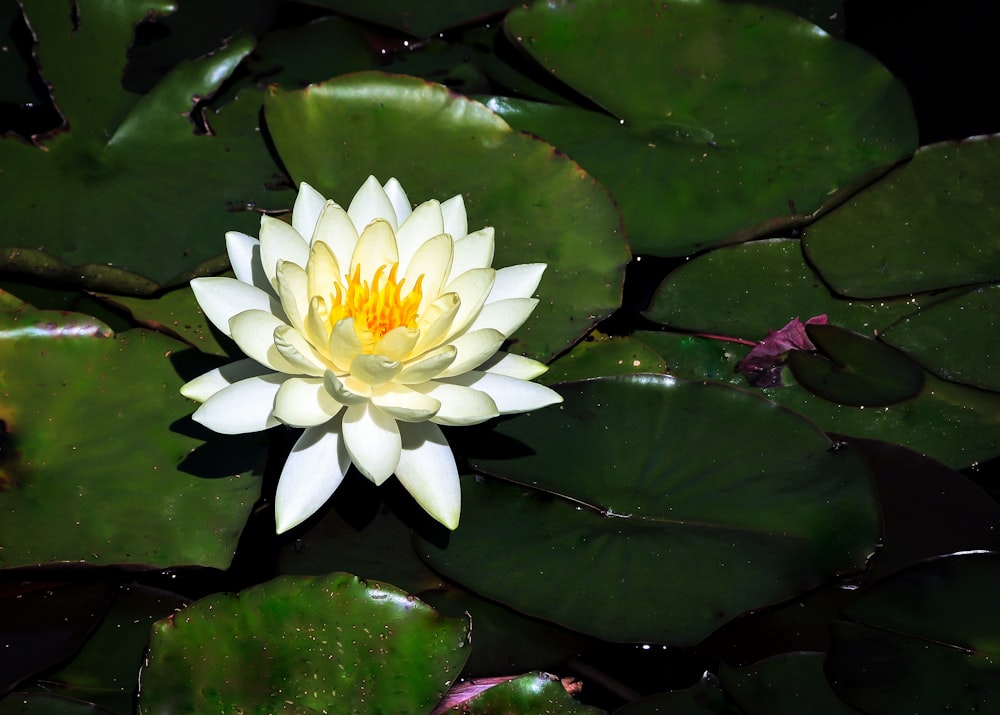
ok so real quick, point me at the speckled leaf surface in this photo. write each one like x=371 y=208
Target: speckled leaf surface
x=98 y=464
x=108 y=201
x=599 y=355
x=923 y=641
x=933 y=223
x=304 y=645
x=787 y=684
x=543 y=207
x=727 y=120
x=629 y=490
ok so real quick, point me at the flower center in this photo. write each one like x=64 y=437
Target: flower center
x=378 y=306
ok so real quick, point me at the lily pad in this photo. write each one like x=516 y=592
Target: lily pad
x=304 y=645
x=543 y=207
x=788 y=684
x=931 y=224
x=855 y=370
x=704 y=698
x=637 y=479
x=957 y=339
x=923 y=641
x=432 y=17
x=727 y=120
x=108 y=201
x=120 y=482
x=599 y=355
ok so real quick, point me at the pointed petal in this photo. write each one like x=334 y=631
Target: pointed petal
x=314 y=469
x=397 y=343
x=473 y=251
x=513 y=365
x=472 y=349
x=305 y=213
x=337 y=231
x=298 y=352
x=253 y=331
x=323 y=271
x=291 y=287
x=404 y=404
x=374 y=369
x=305 y=402
x=222 y=298
x=456 y=223
x=516 y=281
x=372 y=440
x=427 y=470
x=397 y=197
x=204 y=386
x=280 y=242
x=425 y=221
x=244 y=406
x=369 y=204
x=376 y=247
x=510 y=394
x=504 y=316
x=435 y=324
x=428 y=367
x=244 y=257
x=460 y=405
x=472 y=288
x=432 y=261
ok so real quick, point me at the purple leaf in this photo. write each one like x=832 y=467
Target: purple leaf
x=762 y=365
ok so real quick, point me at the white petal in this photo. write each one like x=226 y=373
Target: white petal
x=291 y=287
x=427 y=367
x=294 y=348
x=427 y=470
x=432 y=261
x=423 y=223
x=398 y=342
x=312 y=473
x=460 y=405
x=372 y=440
x=253 y=331
x=472 y=288
x=280 y=242
x=344 y=344
x=510 y=394
x=473 y=251
x=376 y=247
x=435 y=324
x=204 y=386
x=222 y=298
x=244 y=257
x=397 y=197
x=244 y=406
x=473 y=348
x=305 y=213
x=504 y=316
x=404 y=404
x=344 y=393
x=337 y=231
x=456 y=222
x=323 y=271
x=305 y=402
x=513 y=365
x=374 y=369
x=516 y=281
x=369 y=204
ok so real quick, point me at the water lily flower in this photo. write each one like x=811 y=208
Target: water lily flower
x=369 y=327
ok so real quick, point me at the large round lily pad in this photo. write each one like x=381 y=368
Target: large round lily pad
x=304 y=645
x=544 y=207
x=727 y=120
x=650 y=509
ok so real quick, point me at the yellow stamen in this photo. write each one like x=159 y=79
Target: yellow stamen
x=379 y=306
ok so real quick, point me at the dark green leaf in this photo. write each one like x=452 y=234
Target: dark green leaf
x=599 y=355
x=705 y=698
x=428 y=18
x=789 y=684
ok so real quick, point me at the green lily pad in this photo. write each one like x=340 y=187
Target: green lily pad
x=788 y=684
x=828 y=14
x=128 y=196
x=727 y=120
x=855 y=370
x=634 y=480
x=431 y=17
x=304 y=645
x=97 y=463
x=744 y=291
x=956 y=339
x=543 y=207
x=931 y=224
x=599 y=355
x=705 y=698
x=925 y=640
x=44 y=704
x=530 y=694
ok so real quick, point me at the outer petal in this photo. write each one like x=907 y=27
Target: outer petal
x=504 y=316
x=280 y=242
x=204 y=386
x=473 y=251
x=244 y=406
x=371 y=203
x=305 y=213
x=460 y=405
x=513 y=365
x=473 y=348
x=222 y=298
x=455 y=220
x=291 y=287
x=372 y=440
x=314 y=469
x=305 y=402
x=510 y=394
x=425 y=221
x=516 y=281
x=427 y=470
x=404 y=404
x=397 y=197
x=253 y=331
x=244 y=257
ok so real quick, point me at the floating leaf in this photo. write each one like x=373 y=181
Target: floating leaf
x=599 y=355
x=304 y=645
x=789 y=684
x=931 y=224
x=430 y=17
x=729 y=120
x=635 y=480
x=543 y=206
x=705 y=698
